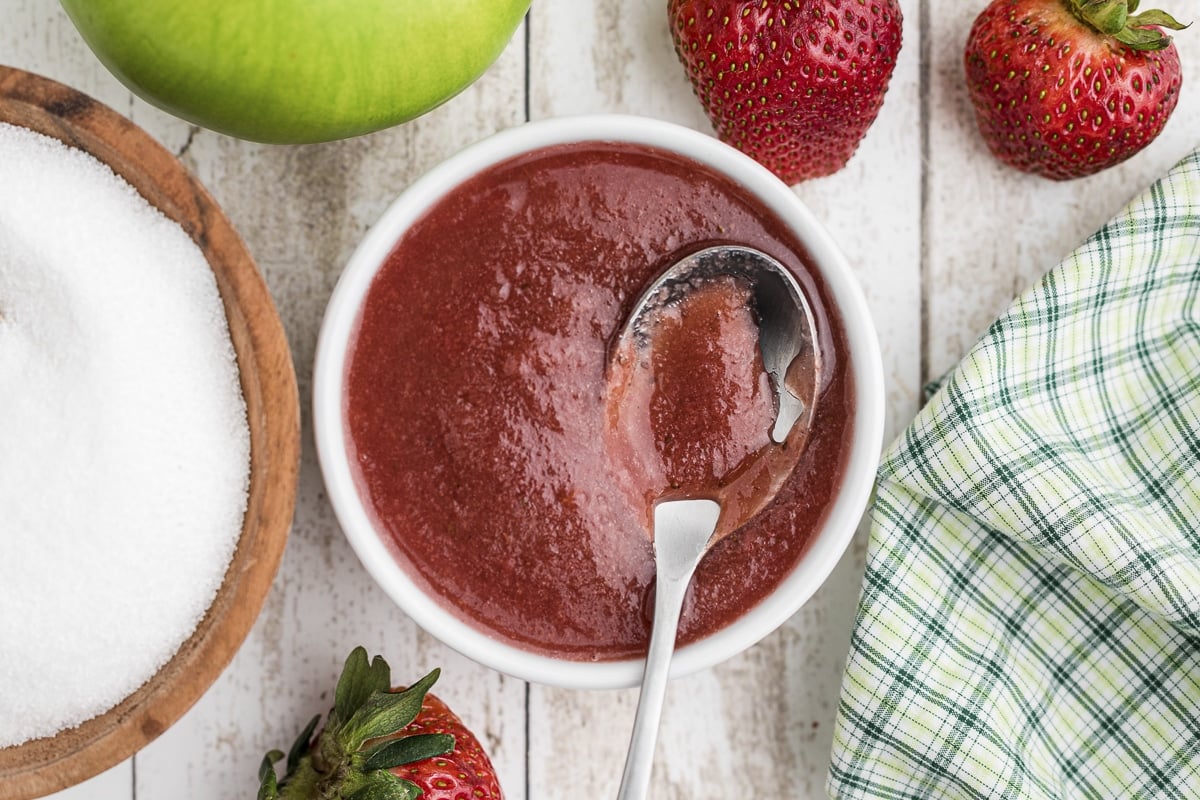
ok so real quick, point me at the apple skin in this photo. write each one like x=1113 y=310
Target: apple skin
x=294 y=71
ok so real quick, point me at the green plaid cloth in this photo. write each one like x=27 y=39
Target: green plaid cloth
x=1029 y=625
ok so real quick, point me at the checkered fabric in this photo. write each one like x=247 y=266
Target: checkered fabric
x=1029 y=625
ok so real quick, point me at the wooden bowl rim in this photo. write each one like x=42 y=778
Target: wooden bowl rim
x=267 y=374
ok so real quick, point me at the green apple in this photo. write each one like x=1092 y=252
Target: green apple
x=290 y=71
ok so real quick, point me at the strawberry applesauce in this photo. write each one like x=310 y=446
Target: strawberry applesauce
x=478 y=405
x=691 y=406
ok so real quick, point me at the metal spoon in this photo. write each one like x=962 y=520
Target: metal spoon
x=786 y=327
x=683 y=529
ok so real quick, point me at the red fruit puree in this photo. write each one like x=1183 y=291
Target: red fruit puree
x=691 y=407
x=512 y=470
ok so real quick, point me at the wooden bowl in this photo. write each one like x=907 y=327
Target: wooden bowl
x=268 y=384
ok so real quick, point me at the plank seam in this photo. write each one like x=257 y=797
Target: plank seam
x=925 y=101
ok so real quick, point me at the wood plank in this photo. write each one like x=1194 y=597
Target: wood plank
x=761 y=722
x=39 y=37
x=113 y=784
x=991 y=230
x=301 y=210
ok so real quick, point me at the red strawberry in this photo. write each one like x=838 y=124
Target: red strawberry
x=382 y=744
x=465 y=771
x=1066 y=88
x=793 y=83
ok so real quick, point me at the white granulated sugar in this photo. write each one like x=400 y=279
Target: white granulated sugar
x=124 y=447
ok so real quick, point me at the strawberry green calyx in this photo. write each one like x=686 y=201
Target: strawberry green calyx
x=1117 y=19
x=351 y=757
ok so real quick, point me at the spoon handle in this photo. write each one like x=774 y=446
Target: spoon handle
x=682 y=529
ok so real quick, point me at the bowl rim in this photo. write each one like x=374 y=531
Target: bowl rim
x=339 y=325
x=268 y=383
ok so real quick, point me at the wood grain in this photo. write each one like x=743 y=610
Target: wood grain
x=302 y=211
x=760 y=724
x=992 y=231
x=268 y=385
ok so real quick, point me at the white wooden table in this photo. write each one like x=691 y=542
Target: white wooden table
x=940 y=235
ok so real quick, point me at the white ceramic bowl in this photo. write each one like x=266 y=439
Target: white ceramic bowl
x=329 y=393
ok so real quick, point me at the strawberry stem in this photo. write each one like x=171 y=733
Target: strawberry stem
x=1106 y=16
x=351 y=756
x=1116 y=18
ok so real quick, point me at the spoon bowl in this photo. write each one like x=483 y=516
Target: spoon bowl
x=787 y=333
